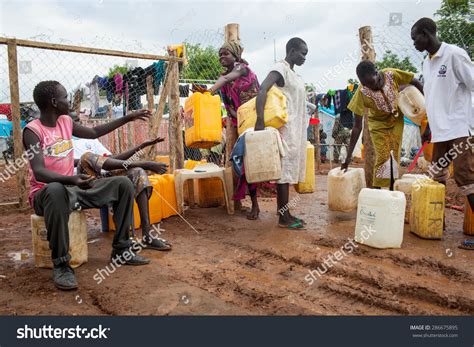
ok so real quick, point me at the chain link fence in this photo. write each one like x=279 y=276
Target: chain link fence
x=101 y=87
x=203 y=68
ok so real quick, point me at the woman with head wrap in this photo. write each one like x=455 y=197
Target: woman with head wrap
x=378 y=94
x=238 y=84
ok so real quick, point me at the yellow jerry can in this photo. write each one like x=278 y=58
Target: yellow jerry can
x=210 y=192
x=309 y=184
x=202 y=120
x=275 y=112
x=164 y=190
x=164 y=159
x=427 y=209
x=136 y=218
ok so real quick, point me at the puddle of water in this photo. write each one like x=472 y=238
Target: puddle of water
x=22 y=255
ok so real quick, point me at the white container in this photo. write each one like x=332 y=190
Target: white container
x=404 y=185
x=344 y=188
x=262 y=156
x=412 y=104
x=380 y=218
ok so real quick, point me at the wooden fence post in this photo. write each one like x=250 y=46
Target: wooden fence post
x=232 y=34
x=149 y=94
x=16 y=119
x=368 y=53
x=158 y=115
x=176 y=129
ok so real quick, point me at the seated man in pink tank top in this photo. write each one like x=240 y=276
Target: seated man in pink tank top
x=55 y=191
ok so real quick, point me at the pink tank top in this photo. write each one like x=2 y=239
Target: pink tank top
x=56 y=144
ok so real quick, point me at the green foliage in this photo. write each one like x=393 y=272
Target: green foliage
x=352 y=81
x=203 y=63
x=454 y=24
x=117 y=69
x=392 y=60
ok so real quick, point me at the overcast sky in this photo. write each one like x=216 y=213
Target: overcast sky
x=329 y=28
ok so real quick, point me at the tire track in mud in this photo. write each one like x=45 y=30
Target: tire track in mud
x=385 y=296
x=253 y=280
x=429 y=263
x=413 y=293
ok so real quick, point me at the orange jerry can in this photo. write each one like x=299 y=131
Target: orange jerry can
x=136 y=218
x=203 y=120
x=164 y=159
x=164 y=190
x=162 y=203
x=468 y=219
x=210 y=192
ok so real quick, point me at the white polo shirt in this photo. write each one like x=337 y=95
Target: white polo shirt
x=448 y=88
x=82 y=146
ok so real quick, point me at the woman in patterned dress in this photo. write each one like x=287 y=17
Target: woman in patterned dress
x=378 y=94
x=238 y=84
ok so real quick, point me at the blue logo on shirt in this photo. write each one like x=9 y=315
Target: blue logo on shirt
x=442 y=71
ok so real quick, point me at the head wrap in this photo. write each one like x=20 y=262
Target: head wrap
x=235 y=49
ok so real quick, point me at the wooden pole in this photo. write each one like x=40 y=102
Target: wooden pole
x=16 y=119
x=76 y=104
x=368 y=53
x=176 y=136
x=89 y=50
x=232 y=34
x=149 y=93
x=158 y=115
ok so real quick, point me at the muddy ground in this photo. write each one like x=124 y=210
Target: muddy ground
x=232 y=266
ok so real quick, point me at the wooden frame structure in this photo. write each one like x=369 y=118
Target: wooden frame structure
x=176 y=147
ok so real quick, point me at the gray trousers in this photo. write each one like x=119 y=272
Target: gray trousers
x=56 y=201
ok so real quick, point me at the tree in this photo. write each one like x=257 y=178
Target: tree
x=455 y=26
x=392 y=60
x=203 y=63
x=117 y=69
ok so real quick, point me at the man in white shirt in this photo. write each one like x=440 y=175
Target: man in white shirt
x=449 y=82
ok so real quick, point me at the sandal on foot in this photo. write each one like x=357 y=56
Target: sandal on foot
x=299 y=220
x=467 y=244
x=293 y=226
x=158 y=244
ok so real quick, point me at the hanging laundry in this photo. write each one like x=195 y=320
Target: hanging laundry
x=347 y=117
x=136 y=80
x=94 y=94
x=160 y=71
x=118 y=79
x=102 y=82
x=6 y=109
x=183 y=90
x=110 y=89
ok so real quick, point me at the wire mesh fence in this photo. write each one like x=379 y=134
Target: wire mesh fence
x=101 y=87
